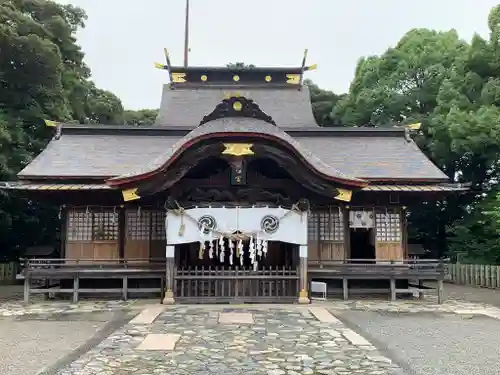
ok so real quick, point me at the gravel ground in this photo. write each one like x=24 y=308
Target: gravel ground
x=472 y=294
x=10 y=293
x=29 y=345
x=431 y=344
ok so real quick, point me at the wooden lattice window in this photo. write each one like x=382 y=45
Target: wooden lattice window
x=312 y=226
x=138 y=224
x=158 y=225
x=79 y=226
x=331 y=225
x=328 y=225
x=85 y=225
x=388 y=226
x=105 y=226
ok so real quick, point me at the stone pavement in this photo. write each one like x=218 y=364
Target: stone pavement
x=207 y=340
x=248 y=339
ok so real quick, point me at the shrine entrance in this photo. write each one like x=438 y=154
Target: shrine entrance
x=236 y=255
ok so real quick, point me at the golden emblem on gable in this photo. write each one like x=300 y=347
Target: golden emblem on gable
x=238 y=149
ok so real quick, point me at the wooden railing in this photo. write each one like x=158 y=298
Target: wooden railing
x=378 y=269
x=487 y=276
x=47 y=275
x=219 y=285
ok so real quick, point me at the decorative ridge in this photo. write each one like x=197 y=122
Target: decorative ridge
x=237 y=106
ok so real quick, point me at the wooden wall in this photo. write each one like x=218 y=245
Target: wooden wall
x=92 y=235
x=326 y=234
x=101 y=233
x=389 y=234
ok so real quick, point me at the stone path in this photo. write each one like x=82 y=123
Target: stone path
x=220 y=340
x=257 y=339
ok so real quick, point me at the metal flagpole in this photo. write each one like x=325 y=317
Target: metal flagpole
x=186 y=35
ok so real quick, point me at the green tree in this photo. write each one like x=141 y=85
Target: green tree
x=42 y=76
x=452 y=87
x=323 y=102
x=140 y=117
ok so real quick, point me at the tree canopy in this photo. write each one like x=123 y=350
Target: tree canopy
x=43 y=76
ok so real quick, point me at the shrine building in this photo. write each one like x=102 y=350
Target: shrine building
x=234 y=194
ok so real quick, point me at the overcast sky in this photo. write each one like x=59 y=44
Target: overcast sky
x=124 y=38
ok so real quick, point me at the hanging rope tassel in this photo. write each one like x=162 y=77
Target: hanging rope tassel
x=211 y=250
x=201 y=251
x=221 y=252
x=231 y=252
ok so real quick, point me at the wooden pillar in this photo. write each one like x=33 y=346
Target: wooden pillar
x=420 y=289
x=303 y=295
x=76 y=288
x=27 y=285
x=121 y=233
x=347 y=234
x=440 y=291
x=64 y=230
x=169 y=275
x=125 y=288
x=393 y=290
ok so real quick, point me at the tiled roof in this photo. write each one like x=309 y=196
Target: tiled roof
x=373 y=155
x=242 y=126
x=289 y=107
x=376 y=157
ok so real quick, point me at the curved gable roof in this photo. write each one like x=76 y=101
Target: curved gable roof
x=237 y=126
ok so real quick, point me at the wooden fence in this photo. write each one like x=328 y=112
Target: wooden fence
x=8 y=272
x=219 y=285
x=474 y=274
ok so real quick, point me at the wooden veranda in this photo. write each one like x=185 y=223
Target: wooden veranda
x=125 y=277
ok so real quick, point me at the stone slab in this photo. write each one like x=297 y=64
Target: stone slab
x=235 y=318
x=148 y=315
x=324 y=316
x=159 y=341
x=355 y=339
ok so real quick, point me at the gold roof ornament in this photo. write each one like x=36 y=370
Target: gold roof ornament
x=130 y=195
x=51 y=124
x=293 y=78
x=344 y=195
x=238 y=149
x=160 y=66
x=178 y=77
x=415 y=126
x=237 y=106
